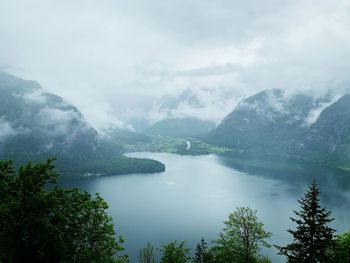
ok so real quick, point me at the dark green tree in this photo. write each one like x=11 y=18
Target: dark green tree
x=312 y=236
x=241 y=238
x=175 y=253
x=147 y=254
x=201 y=254
x=340 y=252
x=41 y=222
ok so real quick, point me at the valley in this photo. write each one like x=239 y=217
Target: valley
x=268 y=144
x=174 y=131
x=36 y=125
x=270 y=125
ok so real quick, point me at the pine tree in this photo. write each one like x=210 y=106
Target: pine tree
x=312 y=237
x=201 y=255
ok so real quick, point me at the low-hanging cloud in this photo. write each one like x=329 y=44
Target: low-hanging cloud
x=6 y=130
x=97 y=53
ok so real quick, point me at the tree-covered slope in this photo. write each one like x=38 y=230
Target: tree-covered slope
x=35 y=124
x=267 y=121
x=296 y=125
x=330 y=134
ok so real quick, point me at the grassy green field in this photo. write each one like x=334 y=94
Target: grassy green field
x=176 y=145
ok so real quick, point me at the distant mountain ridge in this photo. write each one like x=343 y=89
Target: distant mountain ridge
x=188 y=127
x=273 y=122
x=35 y=124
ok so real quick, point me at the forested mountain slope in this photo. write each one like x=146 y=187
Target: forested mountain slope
x=35 y=124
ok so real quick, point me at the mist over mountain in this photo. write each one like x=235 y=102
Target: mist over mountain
x=269 y=120
x=35 y=125
x=104 y=66
x=196 y=103
x=329 y=135
x=180 y=127
x=125 y=137
x=274 y=122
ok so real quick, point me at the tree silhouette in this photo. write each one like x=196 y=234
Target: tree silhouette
x=312 y=236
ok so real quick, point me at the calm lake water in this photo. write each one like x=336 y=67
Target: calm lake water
x=195 y=194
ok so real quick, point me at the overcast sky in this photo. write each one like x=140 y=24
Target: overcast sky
x=114 y=58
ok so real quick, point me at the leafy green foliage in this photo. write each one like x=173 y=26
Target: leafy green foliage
x=263 y=259
x=241 y=238
x=42 y=222
x=175 y=253
x=340 y=252
x=147 y=254
x=312 y=237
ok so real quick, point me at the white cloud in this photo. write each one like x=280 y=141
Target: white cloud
x=36 y=97
x=97 y=53
x=315 y=113
x=104 y=118
x=6 y=130
x=245 y=55
x=55 y=121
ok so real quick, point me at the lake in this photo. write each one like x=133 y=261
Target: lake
x=195 y=194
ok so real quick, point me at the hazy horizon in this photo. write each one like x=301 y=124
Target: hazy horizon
x=118 y=60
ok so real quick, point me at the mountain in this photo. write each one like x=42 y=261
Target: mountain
x=330 y=134
x=293 y=126
x=35 y=124
x=268 y=121
x=173 y=102
x=125 y=137
x=180 y=127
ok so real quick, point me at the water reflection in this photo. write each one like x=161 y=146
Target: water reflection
x=334 y=183
x=195 y=194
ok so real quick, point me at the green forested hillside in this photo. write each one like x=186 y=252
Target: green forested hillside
x=331 y=132
x=267 y=121
x=35 y=124
x=299 y=125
